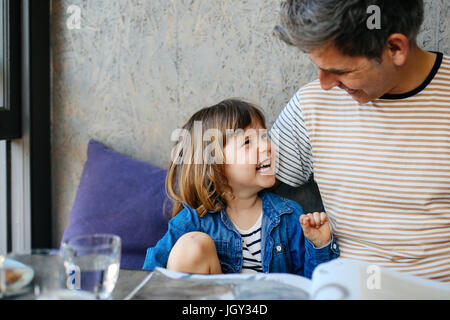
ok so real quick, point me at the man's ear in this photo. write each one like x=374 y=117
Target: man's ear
x=397 y=48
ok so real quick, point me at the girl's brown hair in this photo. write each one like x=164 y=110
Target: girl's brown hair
x=202 y=185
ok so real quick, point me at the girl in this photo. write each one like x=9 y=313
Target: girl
x=223 y=220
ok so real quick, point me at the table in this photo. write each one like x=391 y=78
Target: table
x=128 y=280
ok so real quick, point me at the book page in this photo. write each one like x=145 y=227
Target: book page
x=165 y=285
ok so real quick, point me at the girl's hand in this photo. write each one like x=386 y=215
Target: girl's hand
x=316 y=228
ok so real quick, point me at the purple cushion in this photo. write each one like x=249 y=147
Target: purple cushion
x=122 y=196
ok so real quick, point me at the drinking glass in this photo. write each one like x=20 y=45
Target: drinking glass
x=48 y=269
x=43 y=276
x=92 y=263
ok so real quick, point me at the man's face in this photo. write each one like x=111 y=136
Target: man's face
x=363 y=79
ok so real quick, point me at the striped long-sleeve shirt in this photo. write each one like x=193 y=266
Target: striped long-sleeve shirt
x=383 y=170
x=251 y=247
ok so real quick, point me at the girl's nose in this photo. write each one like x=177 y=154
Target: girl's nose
x=264 y=144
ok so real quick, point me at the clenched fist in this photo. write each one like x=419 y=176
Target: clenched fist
x=316 y=228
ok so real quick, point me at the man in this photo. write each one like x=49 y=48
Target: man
x=374 y=129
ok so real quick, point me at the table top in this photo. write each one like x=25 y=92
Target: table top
x=128 y=280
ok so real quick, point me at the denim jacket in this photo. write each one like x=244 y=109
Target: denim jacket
x=283 y=245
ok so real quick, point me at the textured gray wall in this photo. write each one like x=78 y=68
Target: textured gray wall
x=137 y=69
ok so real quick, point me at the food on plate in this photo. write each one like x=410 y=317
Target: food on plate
x=12 y=275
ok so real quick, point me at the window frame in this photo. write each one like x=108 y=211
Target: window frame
x=10 y=113
x=36 y=101
x=26 y=169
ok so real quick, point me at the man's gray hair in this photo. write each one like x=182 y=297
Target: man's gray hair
x=308 y=24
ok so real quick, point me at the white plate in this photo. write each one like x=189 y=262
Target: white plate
x=23 y=281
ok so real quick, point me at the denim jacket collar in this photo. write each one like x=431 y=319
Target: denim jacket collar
x=273 y=208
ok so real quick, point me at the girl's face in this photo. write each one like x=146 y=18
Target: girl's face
x=249 y=162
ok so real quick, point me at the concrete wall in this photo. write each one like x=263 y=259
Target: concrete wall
x=137 y=69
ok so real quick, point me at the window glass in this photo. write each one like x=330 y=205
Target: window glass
x=2 y=60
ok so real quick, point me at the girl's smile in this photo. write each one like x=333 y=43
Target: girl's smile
x=264 y=167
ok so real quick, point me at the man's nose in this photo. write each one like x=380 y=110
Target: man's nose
x=327 y=80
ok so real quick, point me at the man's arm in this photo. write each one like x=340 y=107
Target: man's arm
x=291 y=145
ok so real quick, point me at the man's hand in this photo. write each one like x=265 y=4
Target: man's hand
x=316 y=228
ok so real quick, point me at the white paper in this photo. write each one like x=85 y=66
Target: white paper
x=339 y=279
x=165 y=284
